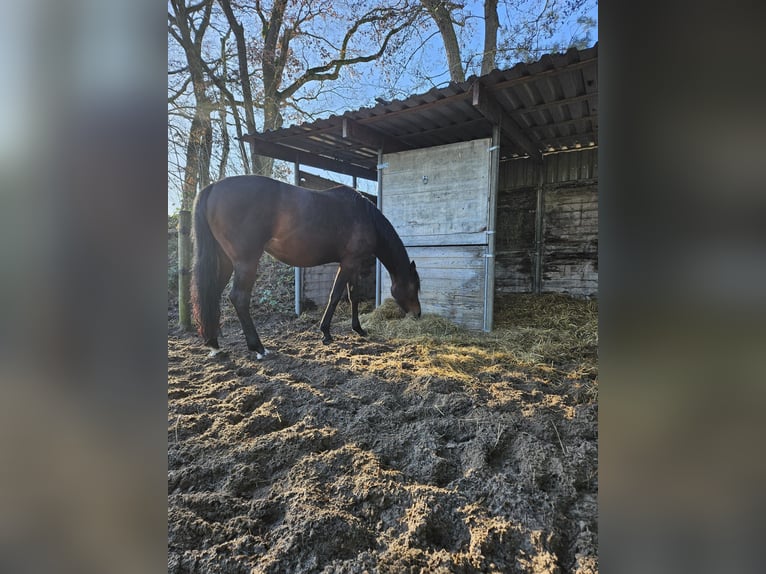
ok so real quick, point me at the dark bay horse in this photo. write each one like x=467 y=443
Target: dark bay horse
x=238 y=218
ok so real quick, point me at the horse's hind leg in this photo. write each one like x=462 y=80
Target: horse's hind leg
x=341 y=279
x=244 y=278
x=225 y=269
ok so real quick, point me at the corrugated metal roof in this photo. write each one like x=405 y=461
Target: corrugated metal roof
x=546 y=106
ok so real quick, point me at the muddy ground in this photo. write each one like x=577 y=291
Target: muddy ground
x=377 y=455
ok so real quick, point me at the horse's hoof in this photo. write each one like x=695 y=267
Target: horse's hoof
x=259 y=356
x=327 y=340
x=361 y=332
x=216 y=353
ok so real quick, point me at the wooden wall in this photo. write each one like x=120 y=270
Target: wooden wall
x=515 y=240
x=443 y=223
x=451 y=207
x=570 y=240
x=568 y=245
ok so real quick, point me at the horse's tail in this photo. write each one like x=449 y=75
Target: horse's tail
x=206 y=297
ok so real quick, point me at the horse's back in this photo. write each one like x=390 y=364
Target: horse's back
x=241 y=211
x=247 y=187
x=296 y=225
x=257 y=186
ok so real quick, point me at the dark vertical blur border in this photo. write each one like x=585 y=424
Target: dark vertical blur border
x=83 y=287
x=682 y=277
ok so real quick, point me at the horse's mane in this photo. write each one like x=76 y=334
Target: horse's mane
x=390 y=249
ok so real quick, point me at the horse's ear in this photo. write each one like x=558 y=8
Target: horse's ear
x=412 y=265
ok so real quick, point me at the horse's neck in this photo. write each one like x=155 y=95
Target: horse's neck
x=396 y=270
x=390 y=249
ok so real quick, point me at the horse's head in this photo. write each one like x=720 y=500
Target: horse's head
x=405 y=290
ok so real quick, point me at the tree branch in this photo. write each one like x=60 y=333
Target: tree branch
x=179 y=93
x=331 y=70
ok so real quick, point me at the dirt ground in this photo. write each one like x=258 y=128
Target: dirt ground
x=377 y=455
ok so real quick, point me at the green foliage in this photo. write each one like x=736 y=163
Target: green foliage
x=275 y=285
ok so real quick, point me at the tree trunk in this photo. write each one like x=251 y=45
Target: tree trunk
x=256 y=161
x=491 y=25
x=272 y=120
x=442 y=16
x=225 y=142
x=225 y=145
x=196 y=174
x=198 y=148
x=184 y=268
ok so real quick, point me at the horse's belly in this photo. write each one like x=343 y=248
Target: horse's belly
x=305 y=255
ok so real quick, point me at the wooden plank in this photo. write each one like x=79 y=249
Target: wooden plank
x=452 y=282
x=318 y=281
x=570 y=249
x=445 y=263
x=455 y=227
x=513 y=272
x=516 y=221
x=515 y=237
x=477 y=238
x=516 y=173
x=559 y=167
x=453 y=200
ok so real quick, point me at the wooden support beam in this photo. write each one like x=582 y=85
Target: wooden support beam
x=537 y=272
x=184 y=269
x=370 y=137
x=298 y=270
x=285 y=153
x=487 y=106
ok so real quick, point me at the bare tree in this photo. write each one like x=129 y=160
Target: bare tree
x=281 y=54
x=222 y=114
x=187 y=25
x=525 y=30
x=356 y=33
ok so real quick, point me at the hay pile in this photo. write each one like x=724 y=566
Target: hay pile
x=390 y=322
x=549 y=328
x=546 y=311
x=555 y=334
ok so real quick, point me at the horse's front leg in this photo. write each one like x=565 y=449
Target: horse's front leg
x=353 y=296
x=341 y=278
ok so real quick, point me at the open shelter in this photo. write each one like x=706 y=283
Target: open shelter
x=492 y=183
